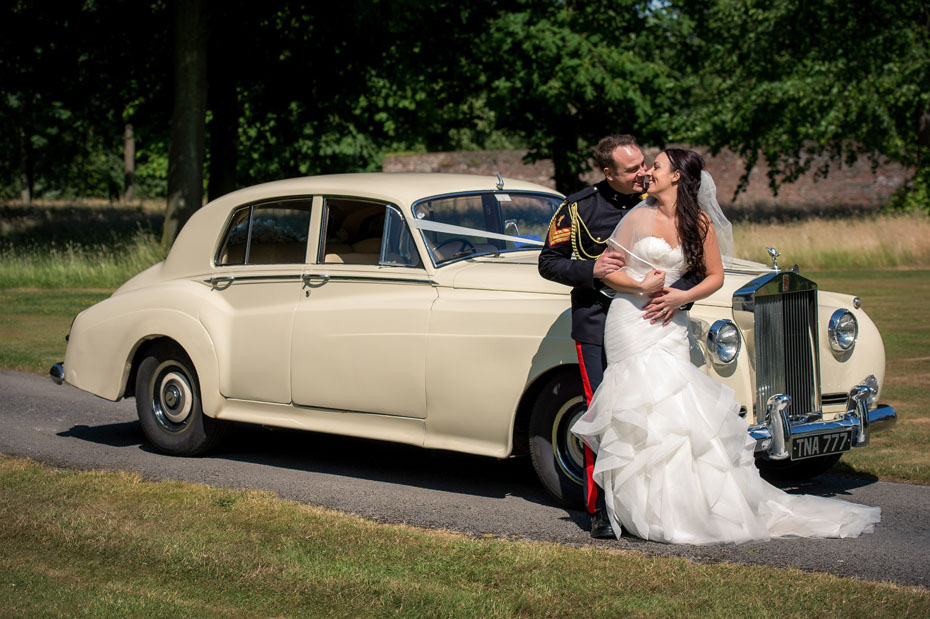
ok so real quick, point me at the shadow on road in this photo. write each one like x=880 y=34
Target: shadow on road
x=351 y=457
x=124 y=434
x=396 y=463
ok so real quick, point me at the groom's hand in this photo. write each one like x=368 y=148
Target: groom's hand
x=608 y=262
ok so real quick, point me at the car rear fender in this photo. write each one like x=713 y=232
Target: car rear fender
x=106 y=338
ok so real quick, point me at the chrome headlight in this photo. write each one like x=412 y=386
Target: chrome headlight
x=843 y=330
x=723 y=341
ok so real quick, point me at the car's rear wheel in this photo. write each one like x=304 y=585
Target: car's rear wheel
x=558 y=456
x=168 y=403
x=797 y=470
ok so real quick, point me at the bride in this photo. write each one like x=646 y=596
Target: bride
x=673 y=456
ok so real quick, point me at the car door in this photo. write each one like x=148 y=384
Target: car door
x=360 y=330
x=256 y=286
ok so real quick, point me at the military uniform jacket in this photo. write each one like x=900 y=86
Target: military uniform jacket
x=570 y=250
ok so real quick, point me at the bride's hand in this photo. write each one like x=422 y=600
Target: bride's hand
x=653 y=282
x=663 y=305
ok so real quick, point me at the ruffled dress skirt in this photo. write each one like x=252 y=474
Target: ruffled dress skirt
x=673 y=456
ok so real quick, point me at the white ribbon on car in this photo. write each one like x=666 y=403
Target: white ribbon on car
x=434 y=226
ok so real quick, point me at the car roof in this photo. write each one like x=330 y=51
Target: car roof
x=405 y=187
x=193 y=249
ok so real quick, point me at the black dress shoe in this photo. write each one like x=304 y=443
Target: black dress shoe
x=600 y=525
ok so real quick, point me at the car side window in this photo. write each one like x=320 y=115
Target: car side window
x=363 y=232
x=268 y=233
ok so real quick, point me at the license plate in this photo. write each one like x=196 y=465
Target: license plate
x=820 y=445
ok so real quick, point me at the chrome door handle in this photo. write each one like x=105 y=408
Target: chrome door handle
x=314 y=280
x=220 y=283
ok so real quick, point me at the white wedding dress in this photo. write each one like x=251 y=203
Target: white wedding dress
x=673 y=455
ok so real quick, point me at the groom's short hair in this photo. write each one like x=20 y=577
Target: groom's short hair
x=604 y=150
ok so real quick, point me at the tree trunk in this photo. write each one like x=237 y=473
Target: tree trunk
x=25 y=168
x=188 y=116
x=923 y=139
x=129 y=164
x=565 y=158
x=224 y=104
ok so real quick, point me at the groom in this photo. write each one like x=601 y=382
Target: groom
x=574 y=254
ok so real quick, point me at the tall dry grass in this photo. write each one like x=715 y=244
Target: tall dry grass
x=884 y=241
x=73 y=265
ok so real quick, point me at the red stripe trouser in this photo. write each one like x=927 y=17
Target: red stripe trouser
x=592 y=361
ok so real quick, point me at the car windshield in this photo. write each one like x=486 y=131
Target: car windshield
x=464 y=225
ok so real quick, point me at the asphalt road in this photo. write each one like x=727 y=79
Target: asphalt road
x=442 y=490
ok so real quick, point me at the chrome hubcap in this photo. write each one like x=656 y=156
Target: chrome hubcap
x=567 y=448
x=172 y=397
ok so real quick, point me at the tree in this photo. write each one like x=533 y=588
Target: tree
x=563 y=74
x=188 y=118
x=793 y=81
x=69 y=81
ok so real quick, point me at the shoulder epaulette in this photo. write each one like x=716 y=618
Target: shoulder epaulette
x=581 y=195
x=559 y=226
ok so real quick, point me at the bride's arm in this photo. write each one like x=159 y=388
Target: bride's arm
x=621 y=282
x=713 y=278
x=713 y=267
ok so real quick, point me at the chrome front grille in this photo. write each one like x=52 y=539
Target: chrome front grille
x=783 y=309
x=786 y=336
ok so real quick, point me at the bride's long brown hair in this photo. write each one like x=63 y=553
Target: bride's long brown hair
x=692 y=228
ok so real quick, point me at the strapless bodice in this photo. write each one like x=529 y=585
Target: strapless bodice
x=653 y=251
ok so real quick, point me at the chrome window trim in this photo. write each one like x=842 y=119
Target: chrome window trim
x=384 y=241
x=248 y=239
x=374 y=278
x=324 y=222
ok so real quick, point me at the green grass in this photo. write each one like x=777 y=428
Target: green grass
x=34 y=323
x=112 y=544
x=75 y=265
x=76 y=246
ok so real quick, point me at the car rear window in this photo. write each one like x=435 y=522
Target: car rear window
x=269 y=233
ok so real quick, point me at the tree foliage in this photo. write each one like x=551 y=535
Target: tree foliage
x=799 y=82
x=298 y=88
x=69 y=80
x=563 y=74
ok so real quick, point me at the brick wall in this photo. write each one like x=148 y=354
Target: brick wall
x=846 y=189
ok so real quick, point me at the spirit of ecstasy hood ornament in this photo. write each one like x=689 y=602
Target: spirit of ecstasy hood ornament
x=774 y=253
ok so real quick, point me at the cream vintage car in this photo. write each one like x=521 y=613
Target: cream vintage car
x=408 y=307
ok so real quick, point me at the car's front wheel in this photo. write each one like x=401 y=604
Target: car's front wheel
x=168 y=403
x=557 y=454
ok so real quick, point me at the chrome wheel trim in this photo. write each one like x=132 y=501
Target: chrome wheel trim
x=172 y=396
x=567 y=448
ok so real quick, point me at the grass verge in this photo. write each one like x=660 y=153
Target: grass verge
x=34 y=323
x=75 y=265
x=112 y=544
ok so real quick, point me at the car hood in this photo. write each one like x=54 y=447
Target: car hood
x=515 y=273
x=519 y=273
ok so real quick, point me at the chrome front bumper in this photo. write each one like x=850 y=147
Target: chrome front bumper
x=774 y=437
x=57 y=373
